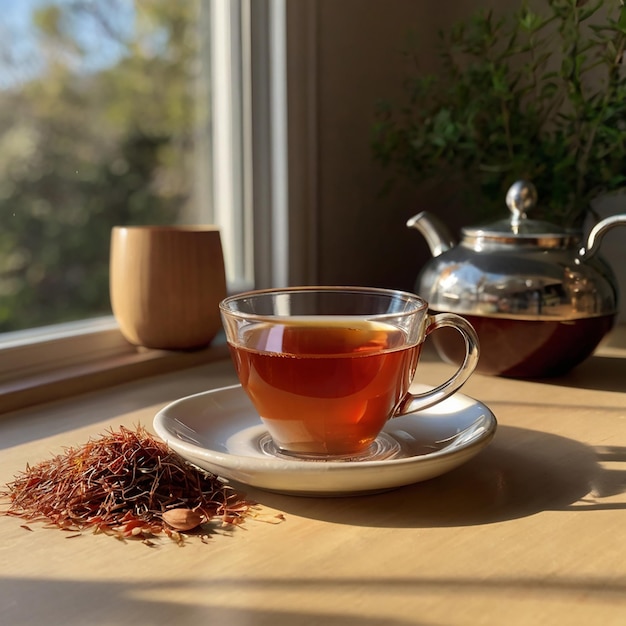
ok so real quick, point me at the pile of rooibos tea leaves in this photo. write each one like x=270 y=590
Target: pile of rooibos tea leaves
x=125 y=483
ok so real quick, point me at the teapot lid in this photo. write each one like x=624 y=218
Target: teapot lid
x=518 y=229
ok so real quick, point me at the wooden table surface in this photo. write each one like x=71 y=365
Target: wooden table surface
x=531 y=531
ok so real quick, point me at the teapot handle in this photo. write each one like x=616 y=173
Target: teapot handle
x=597 y=232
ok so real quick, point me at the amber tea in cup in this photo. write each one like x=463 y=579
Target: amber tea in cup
x=326 y=367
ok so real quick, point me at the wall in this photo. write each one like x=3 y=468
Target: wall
x=361 y=236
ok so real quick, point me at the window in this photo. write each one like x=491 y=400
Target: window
x=110 y=113
x=105 y=119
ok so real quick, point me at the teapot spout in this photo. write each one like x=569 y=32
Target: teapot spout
x=434 y=231
x=597 y=232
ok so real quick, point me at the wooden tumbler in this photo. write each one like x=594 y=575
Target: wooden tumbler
x=166 y=283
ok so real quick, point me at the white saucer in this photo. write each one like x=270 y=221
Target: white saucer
x=220 y=432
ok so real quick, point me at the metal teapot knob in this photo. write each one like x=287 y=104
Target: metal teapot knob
x=521 y=196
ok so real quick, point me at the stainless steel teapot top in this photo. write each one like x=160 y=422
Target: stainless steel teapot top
x=518 y=229
x=518 y=267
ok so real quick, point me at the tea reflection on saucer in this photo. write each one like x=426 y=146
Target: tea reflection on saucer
x=382 y=448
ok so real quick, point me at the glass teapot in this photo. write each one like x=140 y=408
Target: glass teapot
x=539 y=297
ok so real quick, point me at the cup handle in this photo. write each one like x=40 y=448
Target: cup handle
x=416 y=402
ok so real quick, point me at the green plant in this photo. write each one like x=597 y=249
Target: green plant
x=540 y=97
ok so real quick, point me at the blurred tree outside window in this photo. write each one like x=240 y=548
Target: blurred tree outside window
x=102 y=121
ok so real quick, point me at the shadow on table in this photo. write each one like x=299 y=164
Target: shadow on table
x=602 y=373
x=131 y=602
x=32 y=601
x=521 y=473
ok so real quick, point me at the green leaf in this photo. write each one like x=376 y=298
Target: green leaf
x=622 y=18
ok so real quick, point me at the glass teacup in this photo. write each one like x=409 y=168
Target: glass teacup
x=326 y=367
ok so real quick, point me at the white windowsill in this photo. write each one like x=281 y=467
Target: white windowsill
x=69 y=359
